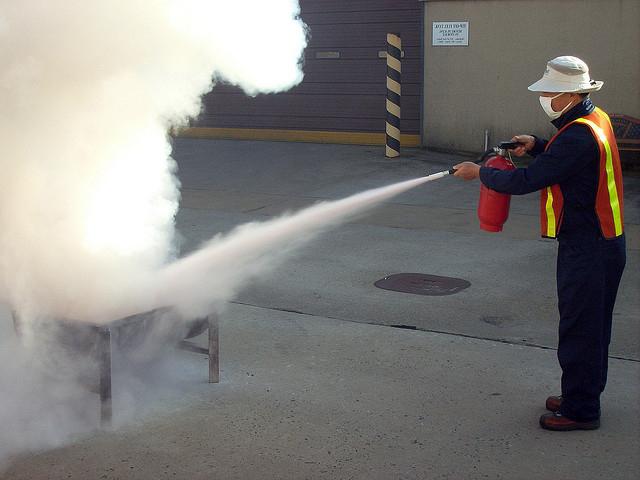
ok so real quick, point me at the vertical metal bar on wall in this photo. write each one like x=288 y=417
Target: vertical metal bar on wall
x=423 y=64
x=394 y=69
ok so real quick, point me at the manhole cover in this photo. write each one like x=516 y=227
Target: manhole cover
x=422 y=284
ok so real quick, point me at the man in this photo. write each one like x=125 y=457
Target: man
x=579 y=175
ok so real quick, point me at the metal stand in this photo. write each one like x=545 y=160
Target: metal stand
x=104 y=334
x=104 y=361
x=104 y=387
x=214 y=350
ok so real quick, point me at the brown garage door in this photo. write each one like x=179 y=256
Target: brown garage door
x=342 y=96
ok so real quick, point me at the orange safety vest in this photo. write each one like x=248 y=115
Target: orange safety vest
x=609 y=202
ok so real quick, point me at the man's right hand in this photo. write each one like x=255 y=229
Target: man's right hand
x=527 y=142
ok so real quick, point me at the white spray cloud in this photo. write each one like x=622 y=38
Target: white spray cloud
x=48 y=397
x=208 y=278
x=88 y=91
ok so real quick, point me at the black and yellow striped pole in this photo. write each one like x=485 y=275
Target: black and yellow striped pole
x=394 y=56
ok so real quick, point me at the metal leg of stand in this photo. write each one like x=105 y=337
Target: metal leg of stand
x=104 y=362
x=214 y=349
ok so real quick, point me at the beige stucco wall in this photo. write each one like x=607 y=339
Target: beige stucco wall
x=484 y=86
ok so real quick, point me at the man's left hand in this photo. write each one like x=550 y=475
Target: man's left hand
x=467 y=170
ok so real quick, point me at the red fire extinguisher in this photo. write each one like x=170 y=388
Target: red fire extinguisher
x=493 y=207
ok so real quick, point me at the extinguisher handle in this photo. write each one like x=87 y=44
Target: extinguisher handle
x=510 y=145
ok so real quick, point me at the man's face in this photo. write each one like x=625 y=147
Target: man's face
x=561 y=101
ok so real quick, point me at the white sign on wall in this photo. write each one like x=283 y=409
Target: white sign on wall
x=450 y=34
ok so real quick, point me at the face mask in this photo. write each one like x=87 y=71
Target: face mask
x=546 y=106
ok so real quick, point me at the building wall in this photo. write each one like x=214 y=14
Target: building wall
x=345 y=94
x=484 y=86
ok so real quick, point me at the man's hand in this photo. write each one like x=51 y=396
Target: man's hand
x=467 y=170
x=527 y=142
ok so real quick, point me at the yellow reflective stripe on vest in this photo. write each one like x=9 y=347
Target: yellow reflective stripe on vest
x=551 y=216
x=611 y=181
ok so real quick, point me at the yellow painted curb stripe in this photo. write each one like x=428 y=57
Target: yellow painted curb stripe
x=611 y=180
x=310 y=136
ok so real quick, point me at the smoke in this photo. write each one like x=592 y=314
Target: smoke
x=48 y=394
x=88 y=193
x=88 y=90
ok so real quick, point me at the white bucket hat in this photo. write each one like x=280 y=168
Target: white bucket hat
x=566 y=74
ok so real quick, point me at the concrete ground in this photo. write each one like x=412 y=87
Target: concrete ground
x=315 y=382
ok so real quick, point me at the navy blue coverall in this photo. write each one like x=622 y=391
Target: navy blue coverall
x=589 y=267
